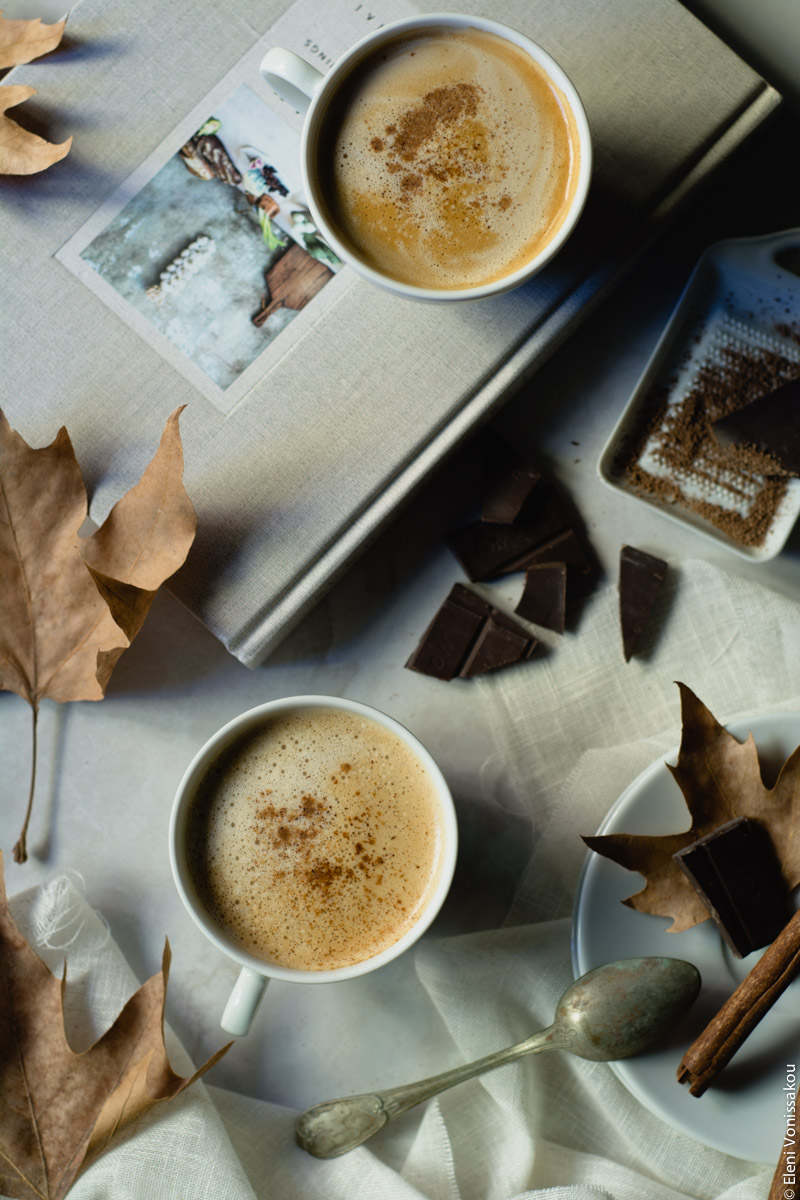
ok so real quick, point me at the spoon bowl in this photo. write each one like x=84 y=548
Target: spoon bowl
x=612 y=1012
x=618 y=1010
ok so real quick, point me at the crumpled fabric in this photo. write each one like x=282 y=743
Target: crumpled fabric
x=572 y=730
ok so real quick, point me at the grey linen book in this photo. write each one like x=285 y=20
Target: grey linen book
x=134 y=283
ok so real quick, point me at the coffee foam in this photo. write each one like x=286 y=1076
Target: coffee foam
x=316 y=841
x=453 y=159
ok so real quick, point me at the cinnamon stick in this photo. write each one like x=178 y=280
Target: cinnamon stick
x=740 y=1014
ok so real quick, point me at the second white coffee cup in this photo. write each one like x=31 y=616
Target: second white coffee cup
x=256 y=971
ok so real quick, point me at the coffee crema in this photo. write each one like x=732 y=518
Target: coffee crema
x=449 y=159
x=315 y=841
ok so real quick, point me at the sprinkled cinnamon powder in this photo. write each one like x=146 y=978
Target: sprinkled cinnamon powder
x=441 y=106
x=449 y=159
x=314 y=841
x=693 y=467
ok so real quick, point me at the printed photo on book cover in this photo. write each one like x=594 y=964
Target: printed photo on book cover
x=208 y=250
x=218 y=251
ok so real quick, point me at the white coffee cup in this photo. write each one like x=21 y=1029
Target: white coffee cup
x=311 y=93
x=255 y=972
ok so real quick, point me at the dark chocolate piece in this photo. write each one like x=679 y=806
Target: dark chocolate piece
x=565 y=548
x=485 y=549
x=452 y=631
x=771 y=423
x=542 y=515
x=640 y=578
x=508 y=482
x=467 y=637
x=488 y=549
x=735 y=871
x=469 y=599
x=497 y=646
x=544 y=600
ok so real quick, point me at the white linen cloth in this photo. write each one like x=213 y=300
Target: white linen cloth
x=553 y=1126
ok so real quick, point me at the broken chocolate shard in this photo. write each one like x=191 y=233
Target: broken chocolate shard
x=735 y=871
x=497 y=645
x=470 y=600
x=770 y=423
x=487 y=549
x=640 y=578
x=445 y=642
x=544 y=600
x=565 y=548
x=469 y=636
x=542 y=516
x=508 y=482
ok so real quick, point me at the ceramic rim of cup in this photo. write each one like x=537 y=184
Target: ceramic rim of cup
x=365 y=47
x=226 y=736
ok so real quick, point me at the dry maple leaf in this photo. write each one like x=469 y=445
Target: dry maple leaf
x=71 y=605
x=58 y=1108
x=21 y=152
x=720 y=779
x=23 y=41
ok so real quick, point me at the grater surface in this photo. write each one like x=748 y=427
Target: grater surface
x=710 y=476
x=734 y=336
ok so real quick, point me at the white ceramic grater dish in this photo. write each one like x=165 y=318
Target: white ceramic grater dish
x=744 y=295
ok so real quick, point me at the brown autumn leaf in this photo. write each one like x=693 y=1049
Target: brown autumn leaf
x=23 y=41
x=58 y=1109
x=143 y=540
x=22 y=152
x=71 y=605
x=720 y=779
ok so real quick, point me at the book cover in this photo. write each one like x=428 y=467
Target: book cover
x=176 y=263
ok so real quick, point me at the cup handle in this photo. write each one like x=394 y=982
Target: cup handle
x=290 y=77
x=243 y=1003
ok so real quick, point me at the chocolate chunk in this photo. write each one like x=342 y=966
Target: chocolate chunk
x=771 y=423
x=497 y=645
x=640 y=578
x=542 y=515
x=487 y=549
x=452 y=631
x=735 y=871
x=471 y=600
x=565 y=548
x=544 y=600
x=467 y=637
x=507 y=484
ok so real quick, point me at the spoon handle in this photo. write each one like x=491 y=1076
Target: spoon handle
x=332 y=1128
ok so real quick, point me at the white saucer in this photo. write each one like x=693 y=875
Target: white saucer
x=744 y=1112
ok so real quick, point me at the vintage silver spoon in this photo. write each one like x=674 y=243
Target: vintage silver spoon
x=614 y=1011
